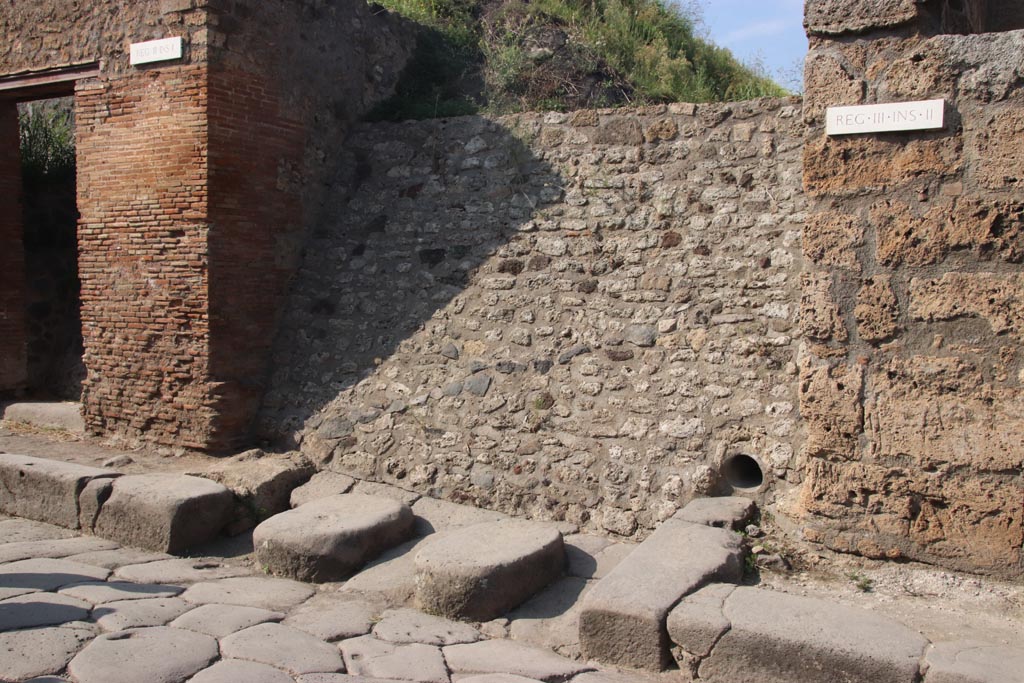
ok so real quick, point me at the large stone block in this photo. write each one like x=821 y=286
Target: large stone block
x=876 y=311
x=996 y=298
x=45 y=490
x=831 y=406
x=756 y=636
x=973 y=662
x=481 y=571
x=330 y=538
x=831 y=240
x=622 y=620
x=164 y=512
x=834 y=17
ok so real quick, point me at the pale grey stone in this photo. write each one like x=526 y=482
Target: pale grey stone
x=330 y=538
x=7 y=593
x=26 y=530
x=507 y=656
x=91 y=500
x=551 y=618
x=41 y=609
x=62 y=415
x=372 y=488
x=498 y=678
x=478 y=384
x=262 y=481
x=330 y=617
x=481 y=571
x=239 y=671
x=49 y=574
x=321 y=485
x=283 y=647
x=439 y=515
x=623 y=617
x=183 y=570
x=727 y=512
x=412 y=626
x=40 y=651
x=100 y=592
x=223 y=620
x=592 y=557
x=125 y=614
x=392 y=576
x=774 y=637
x=973 y=662
x=120 y=557
x=251 y=591
x=698 y=622
x=164 y=512
x=341 y=678
x=63 y=547
x=44 y=490
x=367 y=656
x=640 y=335
x=155 y=655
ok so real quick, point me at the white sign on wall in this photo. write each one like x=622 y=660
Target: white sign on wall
x=156 y=51
x=880 y=118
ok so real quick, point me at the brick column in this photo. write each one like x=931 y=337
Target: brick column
x=13 y=360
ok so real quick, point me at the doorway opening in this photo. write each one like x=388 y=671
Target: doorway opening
x=46 y=132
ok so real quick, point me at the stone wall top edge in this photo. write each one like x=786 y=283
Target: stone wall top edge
x=764 y=105
x=838 y=17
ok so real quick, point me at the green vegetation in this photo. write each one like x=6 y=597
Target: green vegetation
x=503 y=56
x=47 y=132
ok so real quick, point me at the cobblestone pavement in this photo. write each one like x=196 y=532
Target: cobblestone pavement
x=85 y=609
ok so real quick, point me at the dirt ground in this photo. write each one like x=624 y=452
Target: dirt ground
x=942 y=605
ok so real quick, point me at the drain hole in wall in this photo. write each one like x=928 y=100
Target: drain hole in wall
x=743 y=472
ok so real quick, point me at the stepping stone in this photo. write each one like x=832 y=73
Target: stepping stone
x=263 y=482
x=164 y=512
x=480 y=572
x=727 y=512
x=45 y=490
x=747 y=635
x=41 y=609
x=182 y=570
x=622 y=621
x=125 y=614
x=121 y=557
x=373 y=658
x=98 y=593
x=321 y=485
x=223 y=620
x=592 y=557
x=392 y=576
x=48 y=574
x=40 y=651
x=330 y=618
x=410 y=626
x=155 y=655
x=329 y=539
x=507 y=656
x=551 y=618
x=285 y=648
x=64 y=547
x=972 y=662
x=279 y=595
x=437 y=515
x=239 y=671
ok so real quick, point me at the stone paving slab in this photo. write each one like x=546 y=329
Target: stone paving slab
x=49 y=574
x=155 y=655
x=40 y=651
x=330 y=538
x=251 y=591
x=179 y=570
x=748 y=635
x=13 y=530
x=622 y=621
x=97 y=592
x=44 y=490
x=220 y=621
x=125 y=614
x=118 y=557
x=411 y=626
x=239 y=671
x=58 y=548
x=321 y=485
x=41 y=609
x=333 y=616
x=283 y=647
x=480 y=572
x=507 y=656
x=728 y=512
x=164 y=512
x=368 y=656
x=973 y=662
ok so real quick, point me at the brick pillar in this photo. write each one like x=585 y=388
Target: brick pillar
x=13 y=360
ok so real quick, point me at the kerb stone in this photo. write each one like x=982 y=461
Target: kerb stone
x=623 y=617
x=44 y=490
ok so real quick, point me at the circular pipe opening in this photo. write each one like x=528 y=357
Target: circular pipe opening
x=743 y=472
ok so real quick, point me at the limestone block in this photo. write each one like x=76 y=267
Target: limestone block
x=44 y=490
x=726 y=512
x=834 y=17
x=156 y=655
x=40 y=651
x=819 y=312
x=507 y=656
x=830 y=404
x=996 y=298
x=262 y=482
x=758 y=636
x=283 y=647
x=831 y=239
x=321 y=485
x=1000 y=146
x=164 y=512
x=623 y=616
x=876 y=310
x=481 y=571
x=330 y=538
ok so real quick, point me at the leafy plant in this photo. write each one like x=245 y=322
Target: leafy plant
x=863 y=583
x=47 y=140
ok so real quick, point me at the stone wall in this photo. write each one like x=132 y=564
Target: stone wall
x=567 y=316
x=912 y=388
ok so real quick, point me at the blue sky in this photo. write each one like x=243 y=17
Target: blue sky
x=766 y=31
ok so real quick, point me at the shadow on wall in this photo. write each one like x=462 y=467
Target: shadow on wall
x=408 y=246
